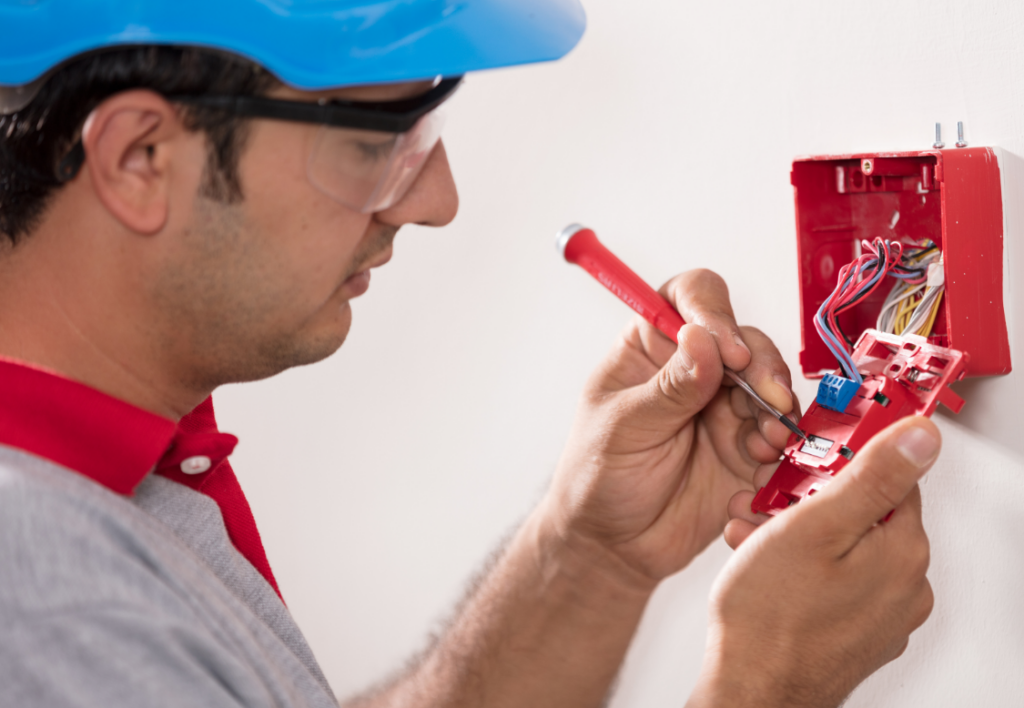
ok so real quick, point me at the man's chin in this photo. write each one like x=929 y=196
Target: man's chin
x=299 y=349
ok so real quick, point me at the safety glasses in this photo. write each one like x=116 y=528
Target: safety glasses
x=366 y=154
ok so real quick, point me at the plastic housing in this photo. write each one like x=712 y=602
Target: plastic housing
x=952 y=197
x=903 y=375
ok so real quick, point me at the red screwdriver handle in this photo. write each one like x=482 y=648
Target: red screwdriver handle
x=580 y=245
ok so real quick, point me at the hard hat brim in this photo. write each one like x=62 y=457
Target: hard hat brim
x=309 y=44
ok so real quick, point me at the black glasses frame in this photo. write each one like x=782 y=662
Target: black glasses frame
x=384 y=116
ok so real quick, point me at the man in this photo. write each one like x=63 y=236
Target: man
x=178 y=214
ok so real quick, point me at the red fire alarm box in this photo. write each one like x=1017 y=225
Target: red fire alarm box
x=952 y=197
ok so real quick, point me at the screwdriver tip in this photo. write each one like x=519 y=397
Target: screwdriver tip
x=793 y=427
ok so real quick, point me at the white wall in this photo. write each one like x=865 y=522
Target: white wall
x=382 y=477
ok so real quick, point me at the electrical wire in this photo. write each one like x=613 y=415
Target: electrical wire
x=913 y=309
x=912 y=304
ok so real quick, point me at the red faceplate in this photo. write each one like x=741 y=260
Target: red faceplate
x=903 y=376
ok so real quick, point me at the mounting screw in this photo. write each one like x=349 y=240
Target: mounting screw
x=960 y=142
x=938 y=144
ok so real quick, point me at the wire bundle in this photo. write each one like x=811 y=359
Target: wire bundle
x=911 y=306
x=860 y=278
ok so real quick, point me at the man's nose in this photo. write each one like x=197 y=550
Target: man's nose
x=432 y=200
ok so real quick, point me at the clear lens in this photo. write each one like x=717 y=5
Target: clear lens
x=367 y=170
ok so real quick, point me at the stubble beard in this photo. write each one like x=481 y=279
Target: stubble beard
x=218 y=325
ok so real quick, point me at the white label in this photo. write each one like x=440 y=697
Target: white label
x=816 y=446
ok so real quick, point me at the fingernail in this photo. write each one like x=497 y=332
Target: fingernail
x=918 y=445
x=782 y=396
x=783 y=384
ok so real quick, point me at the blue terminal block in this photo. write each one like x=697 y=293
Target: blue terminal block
x=835 y=392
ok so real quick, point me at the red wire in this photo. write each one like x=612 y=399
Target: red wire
x=853 y=289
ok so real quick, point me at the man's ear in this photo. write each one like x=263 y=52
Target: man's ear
x=131 y=140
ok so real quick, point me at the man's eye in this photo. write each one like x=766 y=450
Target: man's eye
x=375 y=151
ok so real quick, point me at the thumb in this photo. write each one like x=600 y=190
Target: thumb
x=683 y=386
x=878 y=479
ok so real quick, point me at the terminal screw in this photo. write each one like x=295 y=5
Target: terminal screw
x=938 y=144
x=960 y=142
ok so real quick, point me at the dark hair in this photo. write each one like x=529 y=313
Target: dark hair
x=35 y=139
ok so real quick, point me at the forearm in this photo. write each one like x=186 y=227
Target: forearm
x=549 y=625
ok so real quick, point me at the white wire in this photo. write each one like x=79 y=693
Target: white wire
x=901 y=290
x=887 y=316
x=924 y=310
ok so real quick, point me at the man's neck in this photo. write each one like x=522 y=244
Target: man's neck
x=57 y=314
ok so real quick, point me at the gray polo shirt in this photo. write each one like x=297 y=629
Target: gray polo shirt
x=109 y=600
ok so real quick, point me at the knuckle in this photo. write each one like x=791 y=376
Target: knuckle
x=920 y=555
x=757 y=449
x=764 y=473
x=901 y=648
x=765 y=356
x=702 y=287
x=920 y=607
x=752 y=332
x=927 y=604
x=912 y=553
x=878 y=490
x=672 y=390
x=879 y=480
x=595 y=393
x=706 y=276
x=738 y=401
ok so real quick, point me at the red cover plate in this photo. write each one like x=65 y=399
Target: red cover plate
x=903 y=376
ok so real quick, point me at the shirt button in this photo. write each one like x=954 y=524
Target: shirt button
x=195 y=465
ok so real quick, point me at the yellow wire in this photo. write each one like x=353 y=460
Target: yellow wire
x=905 y=312
x=903 y=315
x=926 y=329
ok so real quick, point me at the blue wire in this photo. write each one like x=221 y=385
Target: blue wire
x=833 y=344
x=828 y=337
x=843 y=357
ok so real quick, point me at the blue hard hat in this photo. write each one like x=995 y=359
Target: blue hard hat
x=310 y=44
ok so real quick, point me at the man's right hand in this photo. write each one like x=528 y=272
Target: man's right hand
x=823 y=595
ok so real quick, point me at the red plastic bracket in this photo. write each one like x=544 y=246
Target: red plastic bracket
x=903 y=376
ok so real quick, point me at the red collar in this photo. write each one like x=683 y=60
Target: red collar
x=116 y=444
